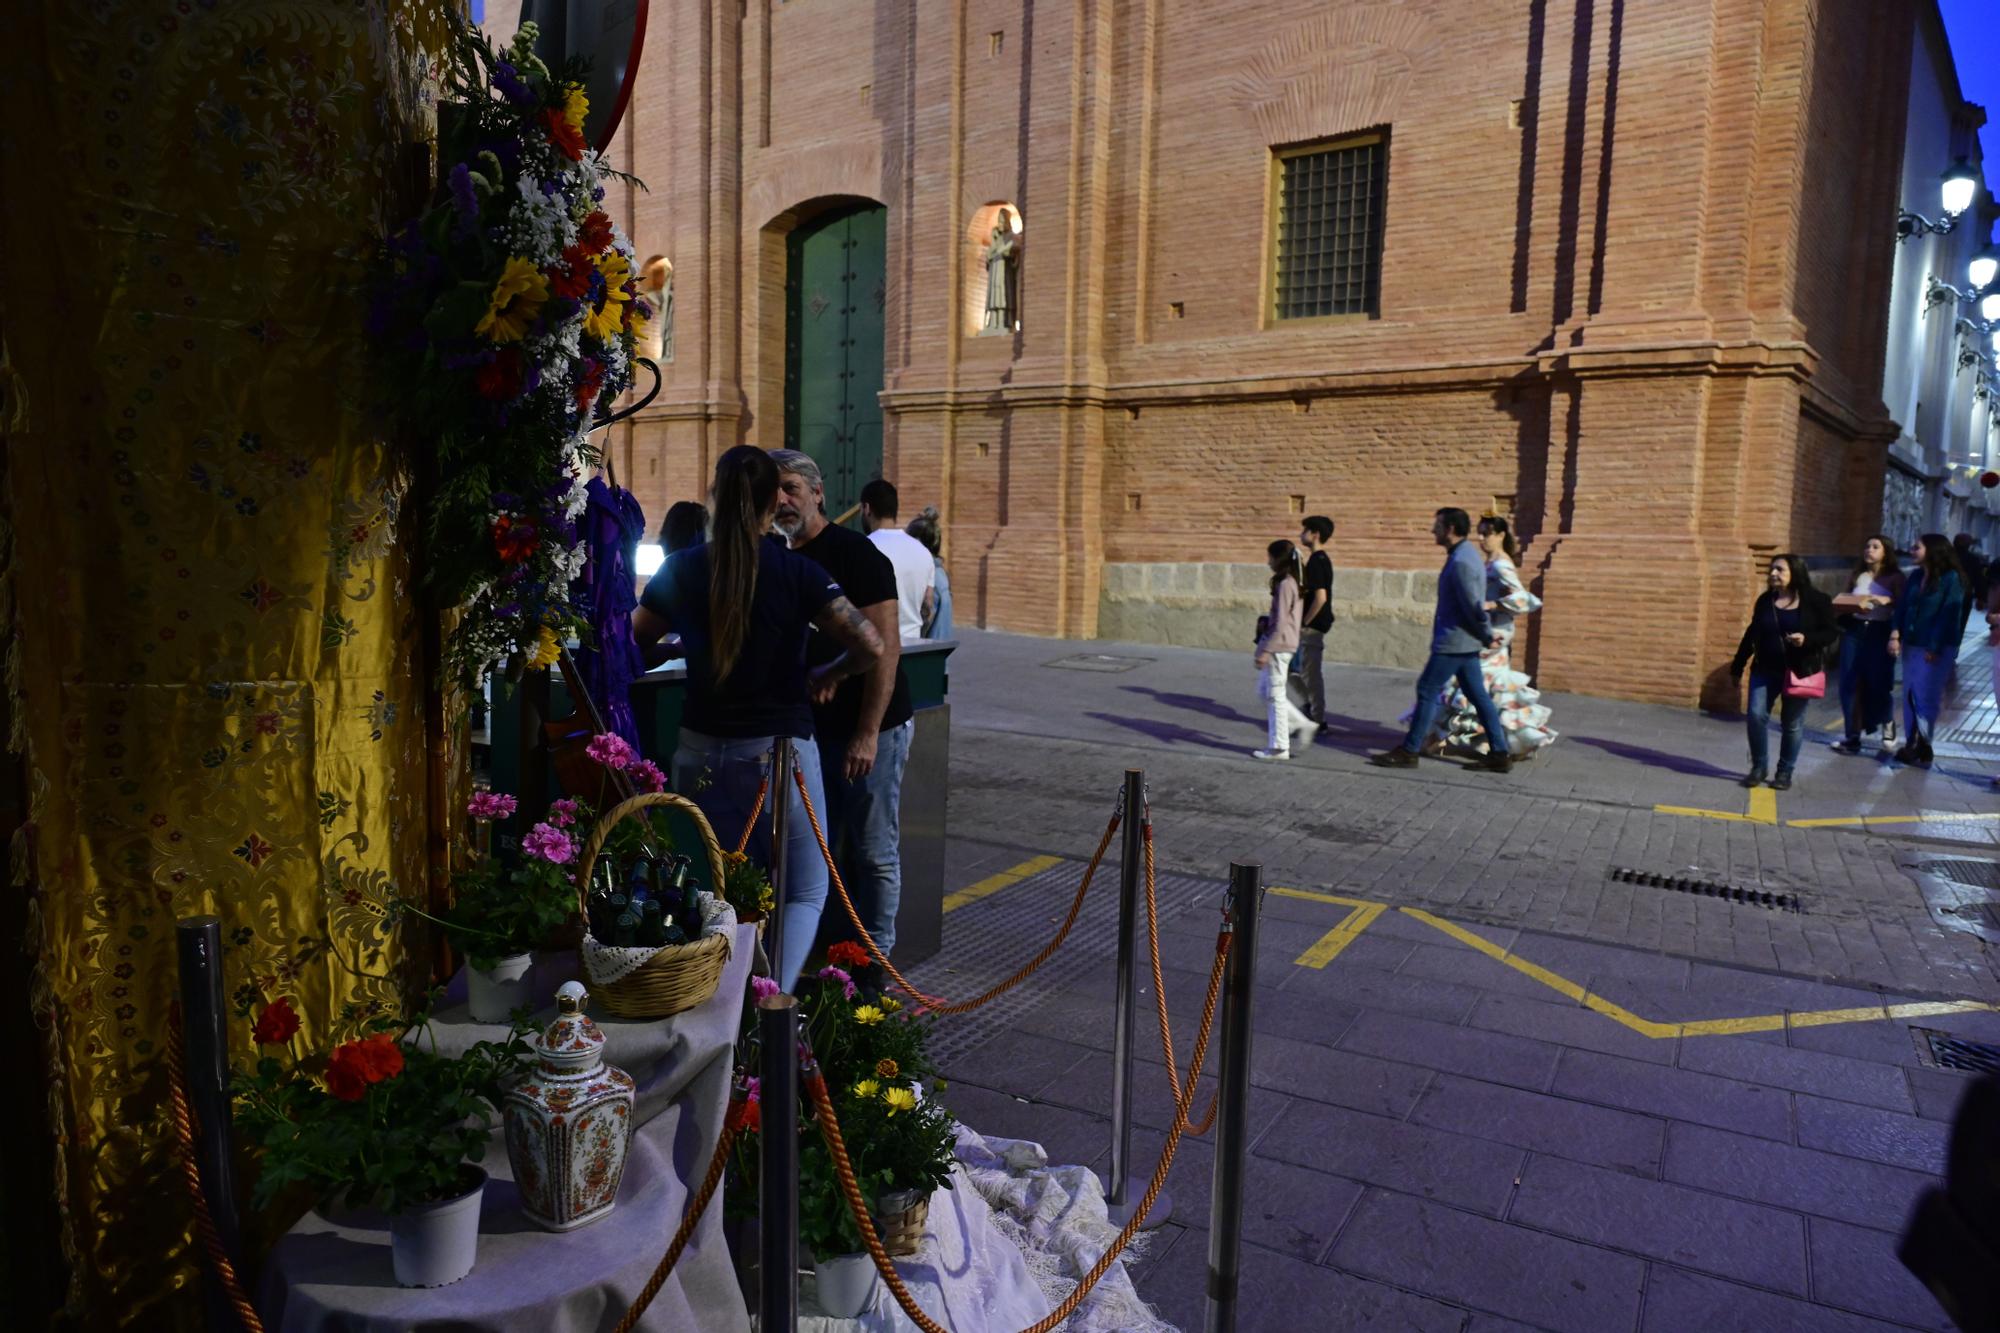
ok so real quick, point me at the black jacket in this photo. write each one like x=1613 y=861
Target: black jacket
x=1816 y=622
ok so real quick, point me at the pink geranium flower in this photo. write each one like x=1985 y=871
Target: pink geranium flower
x=563 y=813
x=646 y=775
x=611 y=751
x=550 y=844
x=490 y=805
x=835 y=974
x=762 y=988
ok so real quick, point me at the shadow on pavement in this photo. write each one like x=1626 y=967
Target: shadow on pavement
x=1195 y=703
x=1678 y=763
x=1172 y=733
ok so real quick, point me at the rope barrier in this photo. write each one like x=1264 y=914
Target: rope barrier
x=732 y=1129
x=829 y=1128
x=204 y=1223
x=932 y=1002
x=750 y=824
x=1182 y=1099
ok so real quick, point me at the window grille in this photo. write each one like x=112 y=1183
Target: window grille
x=1329 y=229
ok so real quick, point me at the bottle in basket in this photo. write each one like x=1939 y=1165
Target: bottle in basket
x=569 y=1122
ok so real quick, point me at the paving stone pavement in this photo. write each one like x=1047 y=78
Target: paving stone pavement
x=1440 y=1138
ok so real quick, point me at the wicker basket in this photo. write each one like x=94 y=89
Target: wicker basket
x=679 y=976
x=900 y=1219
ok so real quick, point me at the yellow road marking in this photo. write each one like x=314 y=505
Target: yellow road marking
x=1870 y=821
x=1763 y=809
x=1707 y=1027
x=1328 y=946
x=972 y=893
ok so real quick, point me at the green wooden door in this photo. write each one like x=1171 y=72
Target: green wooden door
x=835 y=289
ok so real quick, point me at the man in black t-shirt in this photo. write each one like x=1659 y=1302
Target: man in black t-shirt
x=1317 y=613
x=863 y=728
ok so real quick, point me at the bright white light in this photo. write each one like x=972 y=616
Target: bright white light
x=649 y=560
x=1957 y=187
x=1989 y=307
x=1982 y=270
x=1996 y=341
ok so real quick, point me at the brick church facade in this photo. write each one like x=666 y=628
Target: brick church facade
x=1615 y=268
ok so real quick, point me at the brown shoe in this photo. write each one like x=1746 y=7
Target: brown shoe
x=1493 y=762
x=1396 y=758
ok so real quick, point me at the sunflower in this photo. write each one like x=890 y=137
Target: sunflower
x=547 y=649
x=516 y=302
x=604 y=312
x=575 y=105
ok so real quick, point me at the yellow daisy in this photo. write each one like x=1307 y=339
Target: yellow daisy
x=867 y=1087
x=900 y=1099
x=890 y=1004
x=606 y=320
x=867 y=1014
x=575 y=105
x=516 y=303
x=547 y=649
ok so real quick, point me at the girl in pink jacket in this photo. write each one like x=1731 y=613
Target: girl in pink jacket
x=1277 y=640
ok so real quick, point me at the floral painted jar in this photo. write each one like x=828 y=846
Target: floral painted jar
x=569 y=1121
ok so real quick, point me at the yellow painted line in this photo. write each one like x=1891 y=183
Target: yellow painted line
x=972 y=893
x=1870 y=821
x=1328 y=946
x=1707 y=1027
x=1311 y=896
x=1763 y=809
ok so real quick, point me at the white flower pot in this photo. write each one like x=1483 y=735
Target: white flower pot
x=845 y=1284
x=436 y=1244
x=493 y=994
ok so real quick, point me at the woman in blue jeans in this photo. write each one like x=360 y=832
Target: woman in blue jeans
x=1929 y=623
x=1867 y=615
x=1790 y=629
x=741 y=605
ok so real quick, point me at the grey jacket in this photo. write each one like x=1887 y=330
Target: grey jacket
x=1461 y=624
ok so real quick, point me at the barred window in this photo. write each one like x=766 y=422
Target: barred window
x=1329 y=229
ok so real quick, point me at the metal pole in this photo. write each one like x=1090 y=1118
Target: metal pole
x=1117 y=1203
x=778 y=1163
x=1225 y=1207
x=206 y=1066
x=781 y=819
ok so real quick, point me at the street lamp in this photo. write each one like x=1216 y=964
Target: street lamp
x=1989 y=307
x=1983 y=268
x=1955 y=190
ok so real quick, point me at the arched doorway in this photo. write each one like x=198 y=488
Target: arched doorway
x=836 y=284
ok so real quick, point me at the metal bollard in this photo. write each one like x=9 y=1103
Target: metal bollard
x=205 y=1063
x=781 y=819
x=1225 y=1208
x=1117 y=1203
x=778 y=1163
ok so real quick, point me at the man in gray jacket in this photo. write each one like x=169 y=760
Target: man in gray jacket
x=1458 y=631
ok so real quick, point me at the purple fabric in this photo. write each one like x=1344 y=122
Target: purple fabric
x=611 y=527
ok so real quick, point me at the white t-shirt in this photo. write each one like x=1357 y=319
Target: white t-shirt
x=915 y=574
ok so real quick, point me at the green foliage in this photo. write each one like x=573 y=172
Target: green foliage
x=498 y=911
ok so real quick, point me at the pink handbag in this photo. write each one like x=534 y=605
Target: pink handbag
x=1805 y=687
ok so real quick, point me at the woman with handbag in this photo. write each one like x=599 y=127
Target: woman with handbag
x=1277 y=640
x=1785 y=644
x=1926 y=635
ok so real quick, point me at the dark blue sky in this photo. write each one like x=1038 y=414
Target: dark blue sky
x=1974 y=28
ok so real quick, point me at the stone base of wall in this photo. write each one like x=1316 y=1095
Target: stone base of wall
x=1382 y=616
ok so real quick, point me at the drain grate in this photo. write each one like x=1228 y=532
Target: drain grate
x=1097 y=662
x=1941 y=1050
x=1974 y=874
x=1708 y=888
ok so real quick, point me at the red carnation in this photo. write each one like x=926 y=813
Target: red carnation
x=277 y=1024
x=515 y=540
x=565 y=136
x=571 y=280
x=346 y=1074
x=589 y=382
x=595 y=233
x=381 y=1057
x=847 y=954
x=500 y=379
x=747 y=1116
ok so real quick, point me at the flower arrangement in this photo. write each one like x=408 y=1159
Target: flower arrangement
x=502 y=313
x=746 y=887
x=873 y=1056
x=381 y=1120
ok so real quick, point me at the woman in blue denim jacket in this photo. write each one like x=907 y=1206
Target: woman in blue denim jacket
x=1929 y=624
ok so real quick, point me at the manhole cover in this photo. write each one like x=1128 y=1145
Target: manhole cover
x=1978 y=874
x=1941 y=1050
x=1097 y=662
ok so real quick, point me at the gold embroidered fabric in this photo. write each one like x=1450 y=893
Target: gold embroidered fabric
x=216 y=631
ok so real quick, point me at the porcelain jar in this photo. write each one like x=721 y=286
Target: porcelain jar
x=569 y=1121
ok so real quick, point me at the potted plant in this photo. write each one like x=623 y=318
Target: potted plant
x=746 y=887
x=382 y=1122
x=872 y=1054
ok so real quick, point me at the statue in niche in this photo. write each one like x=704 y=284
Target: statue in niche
x=657 y=286
x=1003 y=257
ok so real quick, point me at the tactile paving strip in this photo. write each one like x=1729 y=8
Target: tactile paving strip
x=989 y=940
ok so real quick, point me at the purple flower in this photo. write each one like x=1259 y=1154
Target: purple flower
x=612 y=751
x=646 y=775
x=490 y=805
x=835 y=974
x=550 y=844
x=762 y=988
x=508 y=80
x=563 y=813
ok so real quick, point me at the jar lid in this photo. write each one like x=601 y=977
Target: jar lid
x=572 y=1045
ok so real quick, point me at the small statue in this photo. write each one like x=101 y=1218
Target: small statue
x=1002 y=305
x=657 y=285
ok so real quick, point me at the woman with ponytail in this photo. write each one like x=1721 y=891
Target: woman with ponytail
x=1277 y=640
x=741 y=604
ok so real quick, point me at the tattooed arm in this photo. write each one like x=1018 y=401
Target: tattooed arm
x=854 y=633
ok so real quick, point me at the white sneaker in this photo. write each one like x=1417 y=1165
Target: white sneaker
x=1306 y=734
x=1270 y=754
